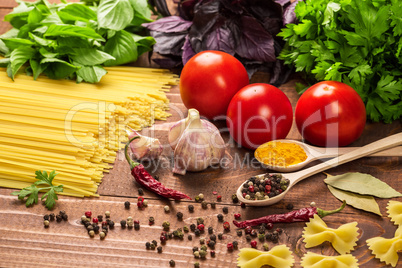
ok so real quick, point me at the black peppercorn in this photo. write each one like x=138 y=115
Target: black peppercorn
x=210 y=230
x=96 y=229
x=111 y=224
x=46 y=217
x=148 y=245
x=235 y=244
x=153 y=246
x=239 y=232
x=64 y=217
x=179 y=215
x=190 y=237
x=140 y=191
x=192 y=227
x=59 y=218
x=211 y=244
x=62 y=212
x=100 y=218
x=123 y=223
x=234 y=198
x=52 y=216
x=154 y=242
x=159 y=249
x=212 y=237
x=197 y=232
x=172 y=263
x=220 y=217
x=127 y=204
x=220 y=236
x=191 y=208
x=225 y=210
x=248 y=238
x=262 y=229
x=195 y=249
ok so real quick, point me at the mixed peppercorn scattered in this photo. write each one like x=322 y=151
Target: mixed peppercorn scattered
x=266 y=187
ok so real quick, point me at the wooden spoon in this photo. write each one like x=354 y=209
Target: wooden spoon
x=295 y=177
x=315 y=153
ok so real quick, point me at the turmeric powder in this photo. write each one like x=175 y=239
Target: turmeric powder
x=281 y=154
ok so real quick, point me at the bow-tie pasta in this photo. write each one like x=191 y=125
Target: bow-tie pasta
x=279 y=256
x=342 y=239
x=394 y=209
x=387 y=249
x=313 y=260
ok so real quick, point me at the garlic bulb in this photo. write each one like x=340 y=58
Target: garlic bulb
x=197 y=144
x=145 y=148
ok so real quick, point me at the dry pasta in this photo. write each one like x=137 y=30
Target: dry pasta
x=72 y=128
x=278 y=256
x=394 y=210
x=313 y=260
x=386 y=250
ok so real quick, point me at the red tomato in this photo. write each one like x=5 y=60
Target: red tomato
x=330 y=114
x=259 y=113
x=209 y=80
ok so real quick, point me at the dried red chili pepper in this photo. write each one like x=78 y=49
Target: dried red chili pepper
x=142 y=177
x=301 y=215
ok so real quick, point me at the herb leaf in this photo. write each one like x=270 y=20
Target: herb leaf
x=363 y=184
x=50 y=196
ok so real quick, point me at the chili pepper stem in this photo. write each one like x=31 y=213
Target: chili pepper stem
x=323 y=213
x=129 y=160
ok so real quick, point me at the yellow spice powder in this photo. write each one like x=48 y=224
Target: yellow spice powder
x=282 y=154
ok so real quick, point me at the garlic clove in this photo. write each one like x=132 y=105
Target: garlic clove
x=145 y=148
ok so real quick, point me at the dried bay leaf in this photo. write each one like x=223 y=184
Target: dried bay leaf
x=363 y=184
x=363 y=202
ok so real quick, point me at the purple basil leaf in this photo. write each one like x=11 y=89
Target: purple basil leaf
x=280 y=73
x=289 y=15
x=188 y=51
x=255 y=43
x=172 y=24
x=168 y=62
x=220 y=39
x=233 y=6
x=168 y=43
x=186 y=8
x=282 y=2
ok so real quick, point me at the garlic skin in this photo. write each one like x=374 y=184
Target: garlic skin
x=198 y=146
x=145 y=148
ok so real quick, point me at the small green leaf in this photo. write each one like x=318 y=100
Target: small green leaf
x=363 y=184
x=37 y=68
x=142 y=14
x=76 y=12
x=18 y=58
x=363 y=202
x=144 y=43
x=72 y=30
x=122 y=47
x=42 y=41
x=91 y=74
x=59 y=69
x=115 y=15
x=90 y=56
x=13 y=43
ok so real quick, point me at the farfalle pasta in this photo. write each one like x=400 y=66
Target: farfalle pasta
x=386 y=249
x=313 y=260
x=342 y=239
x=279 y=256
x=394 y=210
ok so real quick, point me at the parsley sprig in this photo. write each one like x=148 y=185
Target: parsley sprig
x=32 y=191
x=355 y=42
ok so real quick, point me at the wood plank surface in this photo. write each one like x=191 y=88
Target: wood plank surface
x=24 y=242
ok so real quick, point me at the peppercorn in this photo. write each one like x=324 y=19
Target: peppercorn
x=220 y=217
x=104 y=223
x=140 y=191
x=212 y=237
x=234 y=198
x=51 y=216
x=123 y=224
x=239 y=232
x=127 y=204
x=190 y=237
x=229 y=246
x=140 y=204
x=129 y=218
x=197 y=199
x=253 y=244
x=237 y=216
x=166 y=225
x=172 y=263
x=185 y=229
x=191 y=208
x=145 y=203
x=225 y=210
x=279 y=230
x=226 y=226
x=130 y=224
x=111 y=224
x=203 y=253
x=253 y=233
x=59 y=218
x=212 y=252
x=195 y=249
x=96 y=229
x=91 y=233
x=95 y=220
x=235 y=244
x=152 y=246
x=151 y=220
x=159 y=249
x=220 y=236
x=193 y=227
x=196 y=254
x=219 y=198
x=200 y=227
x=62 y=212
x=179 y=216
x=204 y=204
x=261 y=237
x=270 y=225
x=262 y=229
x=248 y=237
x=210 y=230
x=242 y=205
x=200 y=220
x=46 y=217
x=268 y=236
x=265 y=246
x=102 y=235
x=202 y=240
x=90 y=228
x=105 y=229
x=156 y=177
x=197 y=232
x=166 y=208
x=248 y=229
x=148 y=245
x=211 y=244
x=46 y=223
x=196 y=265
x=154 y=242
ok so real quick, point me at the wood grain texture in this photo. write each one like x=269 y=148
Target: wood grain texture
x=24 y=242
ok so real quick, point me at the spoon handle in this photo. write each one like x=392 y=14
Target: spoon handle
x=319 y=153
x=368 y=149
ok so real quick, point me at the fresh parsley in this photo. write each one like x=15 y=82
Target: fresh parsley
x=355 y=42
x=50 y=195
x=74 y=40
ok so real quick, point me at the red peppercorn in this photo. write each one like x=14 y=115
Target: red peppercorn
x=229 y=246
x=248 y=229
x=243 y=205
x=251 y=188
x=244 y=195
x=162 y=238
x=95 y=220
x=270 y=225
x=140 y=204
x=88 y=214
x=237 y=216
x=140 y=198
x=201 y=227
x=219 y=198
x=226 y=226
x=253 y=244
x=104 y=223
x=136 y=222
x=268 y=188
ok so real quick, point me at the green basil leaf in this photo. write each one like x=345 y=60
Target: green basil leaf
x=144 y=43
x=47 y=54
x=90 y=56
x=42 y=41
x=76 y=12
x=72 y=42
x=37 y=68
x=115 y=15
x=142 y=13
x=19 y=16
x=363 y=202
x=19 y=57
x=9 y=34
x=35 y=16
x=59 y=69
x=4 y=62
x=122 y=47
x=91 y=74
x=13 y=43
x=52 y=19
x=363 y=184
x=72 y=30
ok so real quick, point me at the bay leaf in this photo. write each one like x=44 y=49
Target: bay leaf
x=363 y=184
x=363 y=202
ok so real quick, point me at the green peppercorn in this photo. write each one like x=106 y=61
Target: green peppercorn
x=202 y=240
x=197 y=198
x=261 y=237
x=185 y=229
x=172 y=263
x=203 y=253
x=196 y=254
x=91 y=233
x=265 y=246
x=204 y=204
x=166 y=225
x=200 y=220
x=196 y=265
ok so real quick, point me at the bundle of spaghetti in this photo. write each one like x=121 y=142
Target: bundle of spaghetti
x=75 y=129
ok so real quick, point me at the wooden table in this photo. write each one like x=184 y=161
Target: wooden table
x=25 y=242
